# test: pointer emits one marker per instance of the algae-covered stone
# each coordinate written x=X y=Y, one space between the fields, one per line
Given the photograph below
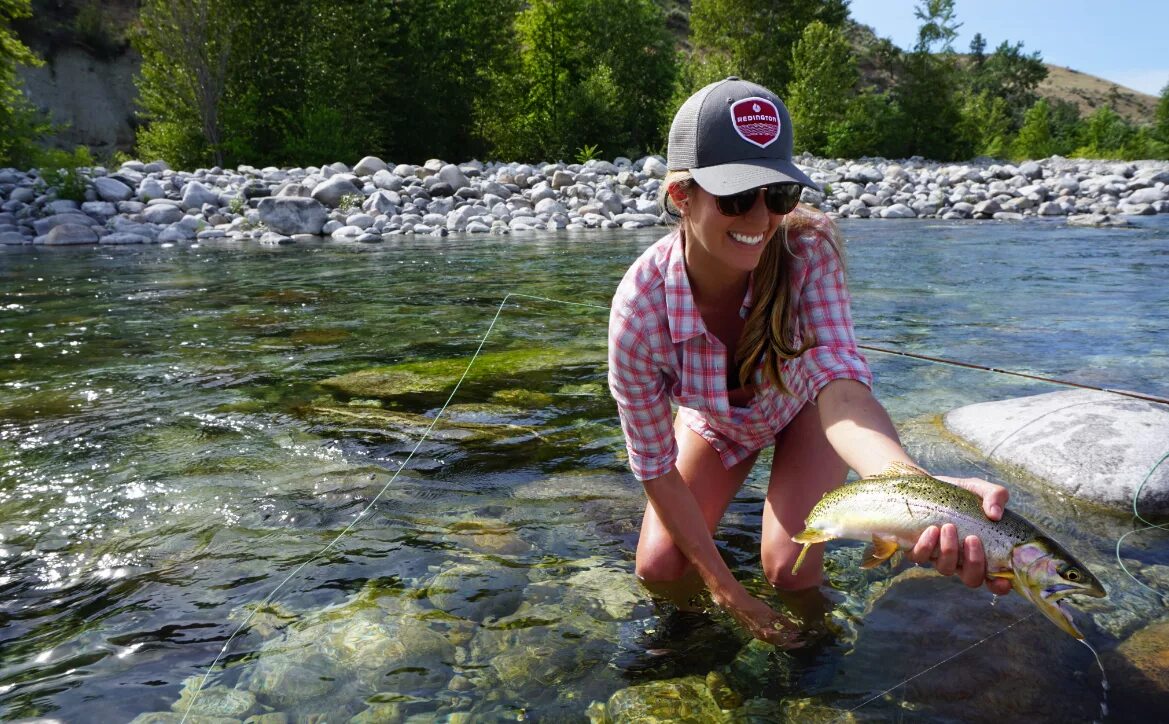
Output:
x=171 y=717
x=1148 y=652
x=492 y=537
x=477 y=590
x=214 y=701
x=440 y=375
x=412 y=426
x=523 y=398
x=685 y=699
x=286 y=680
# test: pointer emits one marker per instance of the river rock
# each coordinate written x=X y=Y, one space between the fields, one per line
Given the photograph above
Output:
x=1091 y=445
x=330 y=191
x=897 y=211
x=124 y=238
x=287 y=215
x=196 y=194
x=369 y=165
x=1099 y=220
x=68 y=235
x=110 y=189
x=14 y=238
x=162 y=214
x=45 y=225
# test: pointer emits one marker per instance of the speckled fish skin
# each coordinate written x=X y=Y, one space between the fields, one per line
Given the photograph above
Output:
x=899 y=504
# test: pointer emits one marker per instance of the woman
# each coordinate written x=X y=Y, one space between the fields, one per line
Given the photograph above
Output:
x=741 y=317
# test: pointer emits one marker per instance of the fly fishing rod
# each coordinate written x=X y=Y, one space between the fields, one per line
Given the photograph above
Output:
x=1040 y=378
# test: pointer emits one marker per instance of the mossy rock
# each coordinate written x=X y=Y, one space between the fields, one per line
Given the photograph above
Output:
x=685 y=699
x=411 y=426
x=214 y=701
x=529 y=399
x=440 y=375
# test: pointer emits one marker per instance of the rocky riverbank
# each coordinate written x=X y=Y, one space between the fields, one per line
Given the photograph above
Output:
x=373 y=201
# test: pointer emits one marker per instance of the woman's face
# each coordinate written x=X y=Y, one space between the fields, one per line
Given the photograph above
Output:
x=731 y=242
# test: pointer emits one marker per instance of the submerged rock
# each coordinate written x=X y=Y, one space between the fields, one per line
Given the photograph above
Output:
x=1148 y=652
x=1091 y=445
x=440 y=375
x=685 y=699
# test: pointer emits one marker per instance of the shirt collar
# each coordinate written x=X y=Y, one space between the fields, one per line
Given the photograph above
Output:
x=684 y=318
x=681 y=311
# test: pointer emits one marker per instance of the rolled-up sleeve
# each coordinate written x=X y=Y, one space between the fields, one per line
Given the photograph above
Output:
x=824 y=311
x=640 y=389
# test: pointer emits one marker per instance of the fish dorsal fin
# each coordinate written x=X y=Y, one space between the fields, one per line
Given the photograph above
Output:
x=898 y=470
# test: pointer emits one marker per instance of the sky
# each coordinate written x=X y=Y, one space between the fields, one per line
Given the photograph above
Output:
x=1123 y=41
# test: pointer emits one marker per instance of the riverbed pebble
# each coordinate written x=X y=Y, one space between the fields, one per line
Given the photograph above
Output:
x=499 y=198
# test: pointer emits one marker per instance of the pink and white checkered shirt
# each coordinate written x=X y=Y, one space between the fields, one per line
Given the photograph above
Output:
x=661 y=352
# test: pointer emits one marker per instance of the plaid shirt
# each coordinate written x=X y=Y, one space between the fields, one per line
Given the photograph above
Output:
x=661 y=352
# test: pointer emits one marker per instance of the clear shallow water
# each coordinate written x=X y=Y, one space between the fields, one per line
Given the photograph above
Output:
x=168 y=455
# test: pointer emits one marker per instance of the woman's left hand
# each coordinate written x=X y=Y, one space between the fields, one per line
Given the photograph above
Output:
x=966 y=558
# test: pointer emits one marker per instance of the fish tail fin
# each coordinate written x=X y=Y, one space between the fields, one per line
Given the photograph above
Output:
x=808 y=537
x=881 y=550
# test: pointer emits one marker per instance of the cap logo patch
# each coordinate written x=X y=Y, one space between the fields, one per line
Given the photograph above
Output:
x=756 y=120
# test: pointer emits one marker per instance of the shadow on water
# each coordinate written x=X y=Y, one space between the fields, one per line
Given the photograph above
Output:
x=187 y=429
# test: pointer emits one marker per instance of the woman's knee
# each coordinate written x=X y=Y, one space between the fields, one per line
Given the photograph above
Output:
x=664 y=564
x=777 y=567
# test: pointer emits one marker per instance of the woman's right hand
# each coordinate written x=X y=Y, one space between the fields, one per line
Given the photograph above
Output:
x=762 y=621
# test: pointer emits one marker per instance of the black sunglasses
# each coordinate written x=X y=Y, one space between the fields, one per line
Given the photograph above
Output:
x=780 y=198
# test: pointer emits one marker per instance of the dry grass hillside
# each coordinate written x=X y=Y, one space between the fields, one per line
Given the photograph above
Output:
x=1089 y=92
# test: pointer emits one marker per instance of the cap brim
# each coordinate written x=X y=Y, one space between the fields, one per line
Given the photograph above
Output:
x=731 y=178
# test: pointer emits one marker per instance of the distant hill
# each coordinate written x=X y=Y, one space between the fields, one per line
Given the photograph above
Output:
x=1088 y=92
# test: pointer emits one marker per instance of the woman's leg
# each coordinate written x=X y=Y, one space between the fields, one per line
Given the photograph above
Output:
x=804 y=469
x=660 y=565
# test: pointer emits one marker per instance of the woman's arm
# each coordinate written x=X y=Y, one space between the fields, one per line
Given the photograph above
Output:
x=860 y=431
x=679 y=512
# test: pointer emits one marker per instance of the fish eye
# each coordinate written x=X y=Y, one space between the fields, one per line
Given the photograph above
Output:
x=1072 y=575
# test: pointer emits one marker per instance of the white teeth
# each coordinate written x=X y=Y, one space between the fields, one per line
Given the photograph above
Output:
x=744 y=239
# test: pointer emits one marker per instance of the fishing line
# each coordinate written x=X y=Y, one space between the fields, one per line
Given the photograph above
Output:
x=272 y=594
x=499 y=310
x=946 y=660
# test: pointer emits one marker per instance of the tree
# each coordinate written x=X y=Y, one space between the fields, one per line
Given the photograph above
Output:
x=21 y=126
x=824 y=73
x=1034 y=139
x=977 y=50
x=1161 y=117
x=928 y=84
x=751 y=36
x=185 y=47
x=592 y=73
x=1012 y=75
x=1105 y=134
x=986 y=125
x=873 y=125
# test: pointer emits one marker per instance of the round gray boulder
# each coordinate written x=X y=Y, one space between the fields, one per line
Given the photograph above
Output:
x=1092 y=445
x=288 y=215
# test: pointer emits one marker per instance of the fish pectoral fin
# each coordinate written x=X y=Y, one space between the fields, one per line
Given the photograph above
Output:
x=880 y=551
x=1009 y=575
x=808 y=537
x=811 y=535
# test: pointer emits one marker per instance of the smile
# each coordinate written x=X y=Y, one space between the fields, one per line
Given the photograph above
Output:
x=745 y=239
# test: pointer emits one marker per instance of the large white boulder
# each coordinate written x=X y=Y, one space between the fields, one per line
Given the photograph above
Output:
x=1097 y=446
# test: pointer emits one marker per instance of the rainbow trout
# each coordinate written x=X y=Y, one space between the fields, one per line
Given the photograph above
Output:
x=894 y=507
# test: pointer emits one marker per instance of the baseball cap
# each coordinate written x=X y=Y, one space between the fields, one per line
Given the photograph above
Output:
x=734 y=135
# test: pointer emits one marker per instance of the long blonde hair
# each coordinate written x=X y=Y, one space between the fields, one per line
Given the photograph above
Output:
x=771 y=334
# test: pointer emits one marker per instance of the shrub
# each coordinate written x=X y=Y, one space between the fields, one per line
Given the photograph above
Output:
x=65 y=173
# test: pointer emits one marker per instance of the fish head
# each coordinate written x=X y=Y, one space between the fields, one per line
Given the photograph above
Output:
x=1045 y=573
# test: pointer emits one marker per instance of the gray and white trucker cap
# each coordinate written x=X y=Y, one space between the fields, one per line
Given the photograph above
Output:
x=734 y=135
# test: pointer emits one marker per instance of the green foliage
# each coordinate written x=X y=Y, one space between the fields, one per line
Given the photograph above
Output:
x=873 y=125
x=350 y=203
x=1161 y=117
x=985 y=128
x=1034 y=139
x=750 y=38
x=928 y=86
x=93 y=30
x=64 y=173
x=1105 y=134
x=825 y=72
x=587 y=152
x=938 y=25
x=1011 y=75
x=589 y=71
x=21 y=125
